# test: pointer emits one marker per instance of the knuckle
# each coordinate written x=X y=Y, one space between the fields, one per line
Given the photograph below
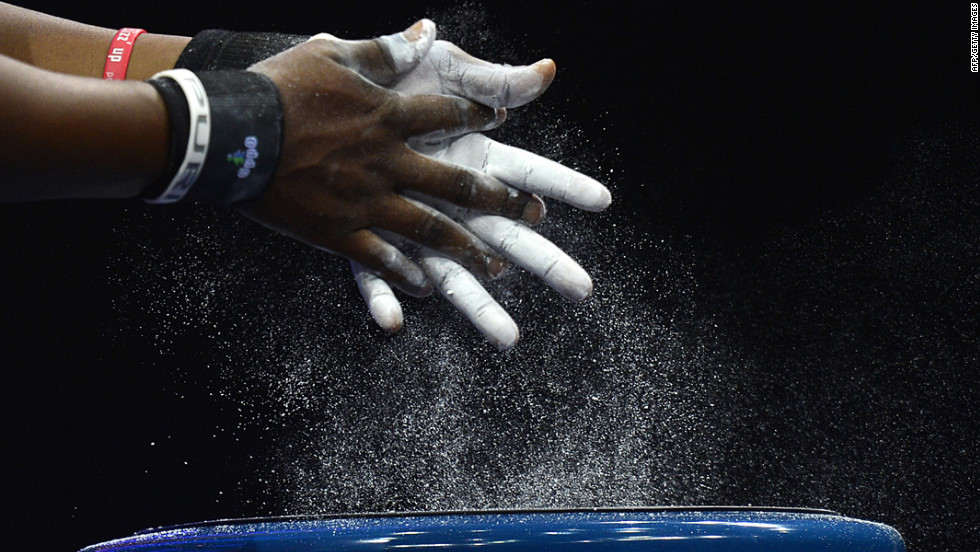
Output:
x=388 y=259
x=432 y=230
x=514 y=202
x=326 y=48
x=462 y=114
x=448 y=66
x=390 y=111
x=379 y=58
x=464 y=187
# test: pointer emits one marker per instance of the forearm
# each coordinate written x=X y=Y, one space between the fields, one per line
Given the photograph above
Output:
x=74 y=48
x=70 y=137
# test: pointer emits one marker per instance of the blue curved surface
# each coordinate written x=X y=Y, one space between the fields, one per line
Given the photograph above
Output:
x=674 y=530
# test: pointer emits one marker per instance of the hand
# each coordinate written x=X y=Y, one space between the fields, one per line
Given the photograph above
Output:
x=444 y=68
x=346 y=167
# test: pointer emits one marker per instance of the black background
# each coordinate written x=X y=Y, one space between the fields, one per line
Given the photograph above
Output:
x=818 y=163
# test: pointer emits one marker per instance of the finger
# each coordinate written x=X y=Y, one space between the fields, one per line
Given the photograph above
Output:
x=428 y=227
x=385 y=59
x=468 y=188
x=527 y=171
x=385 y=260
x=433 y=117
x=527 y=249
x=468 y=296
x=380 y=299
x=488 y=83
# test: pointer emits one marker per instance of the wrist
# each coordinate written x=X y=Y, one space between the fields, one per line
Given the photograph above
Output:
x=226 y=136
x=120 y=50
x=218 y=49
x=153 y=53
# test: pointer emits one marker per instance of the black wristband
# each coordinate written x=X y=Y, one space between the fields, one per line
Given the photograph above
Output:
x=180 y=122
x=216 y=49
x=231 y=148
x=246 y=136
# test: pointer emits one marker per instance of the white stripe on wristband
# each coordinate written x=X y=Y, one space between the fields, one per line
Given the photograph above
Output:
x=197 y=140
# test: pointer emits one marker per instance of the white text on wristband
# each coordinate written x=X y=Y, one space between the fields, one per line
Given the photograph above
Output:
x=120 y=50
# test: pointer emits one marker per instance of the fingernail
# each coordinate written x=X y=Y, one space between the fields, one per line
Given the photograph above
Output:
x=496 y=266
x=589 y=194
x=388 y=315
x=414 y=32
x=534 y=211
x=421 y=285
x=420 y=30
x=425 y=290
x=602 y=198
x=503 y=334
x=546 y=68
x=544 y=65
x=499 y=116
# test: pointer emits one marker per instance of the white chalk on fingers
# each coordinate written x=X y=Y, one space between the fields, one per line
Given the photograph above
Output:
x=466 y=294
x=539 y=175
x=408 y=47
x=532 y=251
x=488 y=83
x=380 y=299
x=525 y=248
x=405 y=50
x=527 y=171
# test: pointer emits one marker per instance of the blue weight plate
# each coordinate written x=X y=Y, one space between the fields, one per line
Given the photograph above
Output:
x=715 y=529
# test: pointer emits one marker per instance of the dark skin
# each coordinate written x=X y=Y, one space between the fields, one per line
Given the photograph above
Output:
x=332 y=189
x=73 y=48
x=345 y=169
x=70 y=137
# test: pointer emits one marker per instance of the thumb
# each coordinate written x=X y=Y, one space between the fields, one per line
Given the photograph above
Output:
x=384 y=60
x=408 y=47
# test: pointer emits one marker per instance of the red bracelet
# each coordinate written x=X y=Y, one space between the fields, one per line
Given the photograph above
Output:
x=117 y=61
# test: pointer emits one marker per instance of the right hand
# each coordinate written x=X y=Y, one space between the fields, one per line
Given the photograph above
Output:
x=346 y=167
x=394 y=62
